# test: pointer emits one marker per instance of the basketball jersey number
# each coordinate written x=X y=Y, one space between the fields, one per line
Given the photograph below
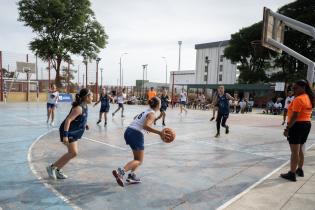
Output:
x=140 y=115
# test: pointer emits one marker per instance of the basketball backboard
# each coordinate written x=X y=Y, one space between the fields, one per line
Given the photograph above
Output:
x=24 y=67
x=273 y=28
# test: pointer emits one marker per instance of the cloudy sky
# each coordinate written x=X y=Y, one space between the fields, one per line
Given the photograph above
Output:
x=148 y=30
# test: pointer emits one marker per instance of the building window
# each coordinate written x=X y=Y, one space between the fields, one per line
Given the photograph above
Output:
x=221 y=68
x=221 y=58
x=220 y=77
x=205 y=78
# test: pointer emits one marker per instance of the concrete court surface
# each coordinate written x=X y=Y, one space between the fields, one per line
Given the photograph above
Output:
x=196 y=171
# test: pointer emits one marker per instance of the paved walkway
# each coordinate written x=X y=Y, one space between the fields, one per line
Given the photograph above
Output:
x=277 y=193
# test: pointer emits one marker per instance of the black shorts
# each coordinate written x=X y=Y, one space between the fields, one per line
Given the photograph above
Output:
x=120 y=105
x=298 y=133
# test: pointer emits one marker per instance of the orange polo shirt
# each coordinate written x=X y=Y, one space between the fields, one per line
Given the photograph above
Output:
x=301 y=104
x=151 y=94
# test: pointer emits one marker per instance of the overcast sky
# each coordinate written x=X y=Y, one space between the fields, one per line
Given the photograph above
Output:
x=148 y=30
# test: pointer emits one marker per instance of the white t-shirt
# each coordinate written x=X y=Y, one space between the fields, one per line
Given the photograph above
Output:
x=138 y=123
x=288 y=100
x=183 y=96
x=278 y=105
x=53 y=97
x=120 y=99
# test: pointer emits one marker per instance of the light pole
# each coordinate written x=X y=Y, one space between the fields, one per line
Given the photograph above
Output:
x=207 y=61
x=83 y=77
x=102 y=77
x=79 y=76
x=68 y=76
x=86 y=72
x=96 y=83
x=179 y=52
x=144 y=68
x=120 y=70
x=164 y=58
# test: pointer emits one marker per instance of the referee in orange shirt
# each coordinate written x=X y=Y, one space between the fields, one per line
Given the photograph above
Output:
x=299 y=126
x=151 y=93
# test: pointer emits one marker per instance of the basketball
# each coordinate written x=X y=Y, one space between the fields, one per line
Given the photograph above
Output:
x=170 y=135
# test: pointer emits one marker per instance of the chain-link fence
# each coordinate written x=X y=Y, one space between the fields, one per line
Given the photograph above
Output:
x=16 y=86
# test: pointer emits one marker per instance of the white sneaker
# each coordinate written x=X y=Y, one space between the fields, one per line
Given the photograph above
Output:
x=51 y=170
x=52 y=123
x=60 y=174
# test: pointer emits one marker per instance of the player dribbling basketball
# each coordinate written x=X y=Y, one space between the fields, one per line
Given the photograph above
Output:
x=134 y=137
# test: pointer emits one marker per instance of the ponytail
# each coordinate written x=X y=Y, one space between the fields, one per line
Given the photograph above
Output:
x=79 y=97
x=308 y=90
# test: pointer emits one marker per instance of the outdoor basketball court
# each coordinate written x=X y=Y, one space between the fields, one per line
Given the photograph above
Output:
x=196 y=171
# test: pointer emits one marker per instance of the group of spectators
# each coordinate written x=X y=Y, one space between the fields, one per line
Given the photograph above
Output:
x=278 y=105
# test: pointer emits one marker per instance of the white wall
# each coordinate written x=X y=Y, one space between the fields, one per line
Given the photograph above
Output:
x=229 y=69
x=182 y=77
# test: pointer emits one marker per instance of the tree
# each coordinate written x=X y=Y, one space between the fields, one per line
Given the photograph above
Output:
x=253 y=66
x=253 y=60
x=293 y=69
x=7 y=74
x=63 y=28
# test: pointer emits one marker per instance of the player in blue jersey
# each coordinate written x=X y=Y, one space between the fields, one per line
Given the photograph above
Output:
x=71 y=130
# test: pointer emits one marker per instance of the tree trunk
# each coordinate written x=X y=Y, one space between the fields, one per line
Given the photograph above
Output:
x=58 y=79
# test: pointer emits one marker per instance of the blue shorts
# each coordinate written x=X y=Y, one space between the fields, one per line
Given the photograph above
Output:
x=104 y=109
x=120 y=105
x=134 y=139
x=73 y=135
x=183 y=102
x=163 y=108
x=50 y=106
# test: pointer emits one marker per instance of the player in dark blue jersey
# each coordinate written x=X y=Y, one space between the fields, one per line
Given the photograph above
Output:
x=71 y=130
x=105 y=99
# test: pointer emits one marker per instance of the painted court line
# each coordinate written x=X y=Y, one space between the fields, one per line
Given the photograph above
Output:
x=29 y=159
x=109 y=145
x=238 y=196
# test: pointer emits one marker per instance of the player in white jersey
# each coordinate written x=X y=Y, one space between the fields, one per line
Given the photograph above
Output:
x=53 y=96
x=183 y=101
x=120 y=101
x=288 y=100
x=134 y=137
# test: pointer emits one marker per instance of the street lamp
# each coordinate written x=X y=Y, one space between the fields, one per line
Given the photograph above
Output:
x=96 y=83
x=207 y=61
x=164 y=58
x=102 y=77
x=79 y=76
x=86 y=72
x=120 y=70
x=144 y=68
x=179 y=52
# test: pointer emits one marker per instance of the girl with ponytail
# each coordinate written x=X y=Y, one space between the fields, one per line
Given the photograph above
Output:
x=71 y=130
x=298 y=127
x=134 y=137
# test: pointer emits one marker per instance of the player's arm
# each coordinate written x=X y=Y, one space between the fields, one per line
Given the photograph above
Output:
x=147 y=125
x=57 y=97
x=99 y=100
x=74 y=114
x=230 y=97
